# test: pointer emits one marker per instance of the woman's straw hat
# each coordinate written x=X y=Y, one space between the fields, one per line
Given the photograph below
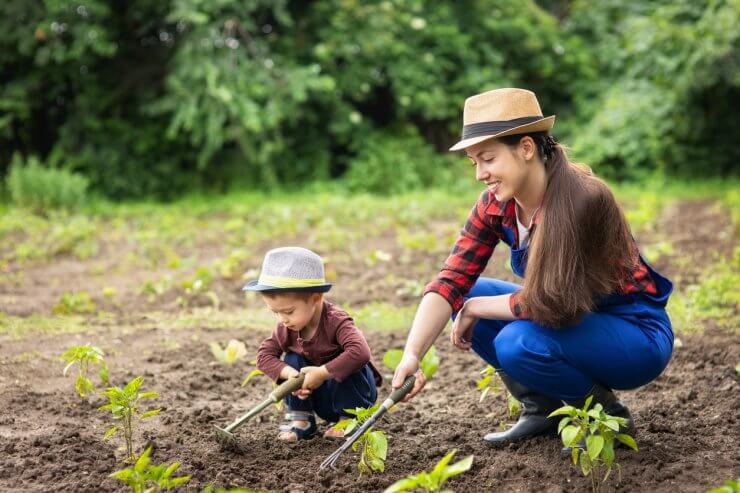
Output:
x=501 y=112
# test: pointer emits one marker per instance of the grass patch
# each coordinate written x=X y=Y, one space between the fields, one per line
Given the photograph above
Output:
x=383 y=316
x=20 y=327
x=716 y=297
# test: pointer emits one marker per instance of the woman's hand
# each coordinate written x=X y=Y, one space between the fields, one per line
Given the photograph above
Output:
x=462 y=330
x=409 y=365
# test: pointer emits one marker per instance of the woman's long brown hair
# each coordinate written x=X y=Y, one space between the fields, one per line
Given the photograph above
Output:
x=581 y=247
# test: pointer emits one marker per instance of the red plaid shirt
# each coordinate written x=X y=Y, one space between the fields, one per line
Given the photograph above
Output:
x=489 y=222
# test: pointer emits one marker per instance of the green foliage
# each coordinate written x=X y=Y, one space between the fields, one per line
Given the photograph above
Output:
x=373 y=445
x=41 y=189
x=84 y=357
x=729 y=486
x=429 y=363
x=258 y=93
x=396 y=160
x=599 y=430
x=124 y=405
x=75 y=303
x=663 y=86
x=145 y=477
x=433 y=481
x=234 y=351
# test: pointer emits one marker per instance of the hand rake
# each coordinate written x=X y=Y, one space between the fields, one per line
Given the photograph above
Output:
x=395 y=397
x=287 y=387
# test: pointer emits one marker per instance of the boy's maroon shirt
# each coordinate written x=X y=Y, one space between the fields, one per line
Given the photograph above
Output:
x=337 y=343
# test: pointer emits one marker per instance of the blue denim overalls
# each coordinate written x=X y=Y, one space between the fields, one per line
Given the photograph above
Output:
x=624 y=343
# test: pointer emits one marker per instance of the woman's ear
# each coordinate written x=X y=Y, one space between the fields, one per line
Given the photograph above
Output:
x=527 y=148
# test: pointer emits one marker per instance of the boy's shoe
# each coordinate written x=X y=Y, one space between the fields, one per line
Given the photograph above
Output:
x=290 y=431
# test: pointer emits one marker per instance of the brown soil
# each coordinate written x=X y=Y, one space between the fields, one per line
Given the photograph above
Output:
x=688 y=426
x=50 y=439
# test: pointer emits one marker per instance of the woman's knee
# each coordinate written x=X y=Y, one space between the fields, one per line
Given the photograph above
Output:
x=518 y=345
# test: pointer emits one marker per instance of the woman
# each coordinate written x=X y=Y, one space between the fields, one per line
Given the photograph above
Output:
x=590 y=316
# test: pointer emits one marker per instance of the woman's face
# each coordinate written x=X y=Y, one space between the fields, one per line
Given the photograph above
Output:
x=503 y=169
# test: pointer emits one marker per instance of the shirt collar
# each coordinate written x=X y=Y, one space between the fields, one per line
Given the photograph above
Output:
x=507 y=210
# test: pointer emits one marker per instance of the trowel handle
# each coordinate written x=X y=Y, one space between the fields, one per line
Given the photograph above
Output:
x=404 y=389
x=287 y=387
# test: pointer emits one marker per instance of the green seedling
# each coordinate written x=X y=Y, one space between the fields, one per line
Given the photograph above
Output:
x=233 y=351
x=599 y=430
x=433 y=481
x=230 y=267
x=197 y=286
x=145 y=477
x=75 y=304
x=83 y=357
x=373 y=445
x=490 y=381
x=729 y=486
x=155 y=289
x=429 y=364
x=124 y=406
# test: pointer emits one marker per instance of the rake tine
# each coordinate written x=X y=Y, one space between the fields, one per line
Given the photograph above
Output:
x=331 y=460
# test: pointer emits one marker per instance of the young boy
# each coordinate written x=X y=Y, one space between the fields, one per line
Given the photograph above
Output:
x=318 y=340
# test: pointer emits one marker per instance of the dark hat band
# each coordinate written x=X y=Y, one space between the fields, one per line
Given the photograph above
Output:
x=491 y=128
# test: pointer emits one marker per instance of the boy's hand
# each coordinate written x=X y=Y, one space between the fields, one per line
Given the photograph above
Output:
x=315 y=376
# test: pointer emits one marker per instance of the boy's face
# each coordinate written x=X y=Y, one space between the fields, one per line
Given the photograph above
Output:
x=295 y=311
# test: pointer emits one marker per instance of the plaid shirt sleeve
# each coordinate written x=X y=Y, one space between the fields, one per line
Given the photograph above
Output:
x=469 y=256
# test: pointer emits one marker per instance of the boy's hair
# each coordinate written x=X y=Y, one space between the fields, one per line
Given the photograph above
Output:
x=303 y=295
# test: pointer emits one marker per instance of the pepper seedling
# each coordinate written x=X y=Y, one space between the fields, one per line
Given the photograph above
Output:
x=233 y=351
x=490 y=381
x=373 y=444
x=84 y=357
x=124 y=406
x=432 y=482
x=599 y=430
x=145 y=477
x=429 y=364
x=729 y=486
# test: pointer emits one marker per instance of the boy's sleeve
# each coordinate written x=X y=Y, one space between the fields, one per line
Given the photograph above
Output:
x=355 y=354
x=268 y=357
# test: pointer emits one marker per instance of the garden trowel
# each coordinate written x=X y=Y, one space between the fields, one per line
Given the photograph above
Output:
x=290 y=385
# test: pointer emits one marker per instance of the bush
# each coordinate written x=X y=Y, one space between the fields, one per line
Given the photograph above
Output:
x=40 y=189
x=396 y=160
